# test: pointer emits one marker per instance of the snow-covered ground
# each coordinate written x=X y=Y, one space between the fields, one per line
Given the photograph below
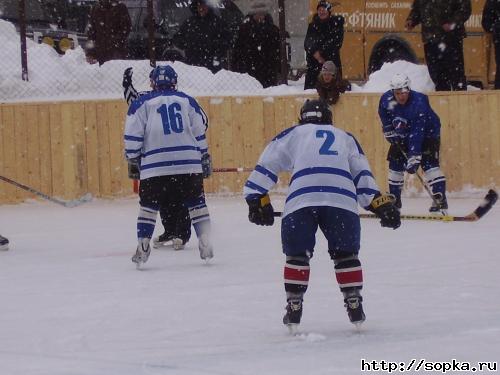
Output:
x=72 y=303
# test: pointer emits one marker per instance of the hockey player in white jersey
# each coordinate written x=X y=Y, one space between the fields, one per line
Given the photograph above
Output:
x=330 y=175
x=165 y=136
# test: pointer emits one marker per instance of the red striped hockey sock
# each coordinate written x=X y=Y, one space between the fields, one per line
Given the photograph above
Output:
x=349 y=273
x=296 y=276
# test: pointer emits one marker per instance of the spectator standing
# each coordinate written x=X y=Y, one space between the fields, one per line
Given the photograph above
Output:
x=257 y=47
x=330 y=85
x=443 y=31
x=491 y=24
x=324 y=38
x=204 y=37
x=109 y=27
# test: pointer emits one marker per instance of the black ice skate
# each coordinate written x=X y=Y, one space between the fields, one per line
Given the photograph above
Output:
x=142 y=253
x=165 y=239
x=293 y=315
x=354 y=307
x=4 y=243
x=439 y=204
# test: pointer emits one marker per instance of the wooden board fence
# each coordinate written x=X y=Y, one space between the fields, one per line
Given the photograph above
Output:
x=70 y=148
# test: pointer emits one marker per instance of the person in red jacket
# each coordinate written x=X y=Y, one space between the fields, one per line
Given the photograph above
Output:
x=108 y=30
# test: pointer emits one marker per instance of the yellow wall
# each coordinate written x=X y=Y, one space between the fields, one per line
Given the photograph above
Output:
x=71 y=148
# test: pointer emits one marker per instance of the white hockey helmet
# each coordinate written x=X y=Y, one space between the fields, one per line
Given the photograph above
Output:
x=400 y=81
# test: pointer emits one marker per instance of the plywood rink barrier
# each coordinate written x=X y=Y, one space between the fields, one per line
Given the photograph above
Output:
x=68 y=149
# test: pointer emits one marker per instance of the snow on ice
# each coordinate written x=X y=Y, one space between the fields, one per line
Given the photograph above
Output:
x=74 y=304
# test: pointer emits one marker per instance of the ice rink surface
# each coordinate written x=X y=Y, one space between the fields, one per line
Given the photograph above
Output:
x=72 y=302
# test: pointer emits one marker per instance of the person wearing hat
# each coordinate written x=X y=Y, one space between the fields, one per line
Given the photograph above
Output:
x=330 y=85
x=257 y=47
x=204 y=37
x=324 y=38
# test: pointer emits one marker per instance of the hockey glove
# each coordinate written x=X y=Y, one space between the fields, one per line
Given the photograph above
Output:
x=261 y=211
x=401 y=127
x=134 y=168
x=127 y=78
x=393 y=137
x=384 y=207
x=206 y=165
x=413 y=163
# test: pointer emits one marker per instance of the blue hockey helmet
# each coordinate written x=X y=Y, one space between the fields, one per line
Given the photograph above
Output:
x=164 y=77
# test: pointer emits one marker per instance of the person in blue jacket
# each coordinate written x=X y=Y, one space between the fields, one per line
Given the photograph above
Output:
x=414 y=131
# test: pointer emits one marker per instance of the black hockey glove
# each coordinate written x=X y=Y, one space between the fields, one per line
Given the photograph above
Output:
x=134 y=168
x=260 y=210
x=129 y=91
x=127 y=78
x=384 y=207
x=206 y=165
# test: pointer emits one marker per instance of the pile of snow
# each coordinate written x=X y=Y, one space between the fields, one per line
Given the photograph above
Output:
x=71 y=77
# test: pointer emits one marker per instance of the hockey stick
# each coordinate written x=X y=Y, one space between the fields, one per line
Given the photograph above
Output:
x=488 y=202
x=71 y=203
x=422 y=181
x=240 y=169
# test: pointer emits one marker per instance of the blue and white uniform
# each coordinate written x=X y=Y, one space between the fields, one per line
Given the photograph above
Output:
x=167 y=130
x=329 y=169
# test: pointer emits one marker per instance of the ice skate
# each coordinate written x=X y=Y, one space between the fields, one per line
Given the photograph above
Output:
x=439 y=204
x=206 y=249
x=168 y=239
x=4 y=243
x=162 y=240
x=142 y=253
x=354 y=307
x=293 y=316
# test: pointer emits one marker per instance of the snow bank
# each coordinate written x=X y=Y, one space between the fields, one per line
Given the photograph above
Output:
x=71 y=77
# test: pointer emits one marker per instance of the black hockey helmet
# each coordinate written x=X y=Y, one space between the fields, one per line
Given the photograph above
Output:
x=315 y=112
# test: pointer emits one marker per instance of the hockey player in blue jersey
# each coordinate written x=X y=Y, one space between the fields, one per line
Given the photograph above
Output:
x=165 y=137
x=414 y=131
x=330 y=175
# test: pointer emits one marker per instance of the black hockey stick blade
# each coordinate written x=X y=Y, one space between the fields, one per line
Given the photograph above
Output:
x=488 y=202
x=76 y=202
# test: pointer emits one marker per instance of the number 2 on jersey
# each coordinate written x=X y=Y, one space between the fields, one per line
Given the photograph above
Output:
x=329 y=139
x=171 y=118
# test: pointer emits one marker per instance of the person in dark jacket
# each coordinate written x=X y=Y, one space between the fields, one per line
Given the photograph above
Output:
x=257 y=47
x=204 y=37
x=330 y=85
x=108 y=30
x=491 y=24
x=443 y=31
x=323 y=41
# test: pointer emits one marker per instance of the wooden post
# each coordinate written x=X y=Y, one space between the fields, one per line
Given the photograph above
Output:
x=22 y=33
x=151 y=34
x=283 y=54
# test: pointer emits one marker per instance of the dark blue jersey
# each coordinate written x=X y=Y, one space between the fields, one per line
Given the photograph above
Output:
x=413 y=122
